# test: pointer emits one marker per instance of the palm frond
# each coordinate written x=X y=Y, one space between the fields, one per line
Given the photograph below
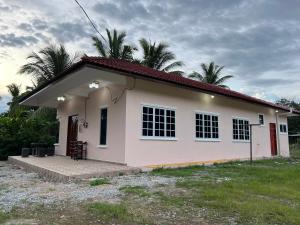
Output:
x=195 y=75
x=99 y=46
x=173 y=65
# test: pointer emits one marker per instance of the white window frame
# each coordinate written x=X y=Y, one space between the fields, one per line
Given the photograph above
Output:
x=261 y=114
x=285 y=124
x=153 y=137
x=99 y=145
x=240 y=140
x=206 y=139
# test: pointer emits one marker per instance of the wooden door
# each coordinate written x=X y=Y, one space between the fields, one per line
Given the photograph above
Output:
x=72 y=132
x=273 y=139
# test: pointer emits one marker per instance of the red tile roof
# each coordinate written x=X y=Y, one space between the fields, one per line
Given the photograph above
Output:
x=146 y=72
x=149 y=73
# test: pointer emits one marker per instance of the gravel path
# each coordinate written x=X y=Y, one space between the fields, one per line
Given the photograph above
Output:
x=19 y=188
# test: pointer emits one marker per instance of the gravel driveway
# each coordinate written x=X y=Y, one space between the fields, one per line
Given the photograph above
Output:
x=19 y=188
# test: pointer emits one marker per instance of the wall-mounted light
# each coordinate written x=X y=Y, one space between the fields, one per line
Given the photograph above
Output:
x=94 y=85
x=61 y=98
x=276 y=111
x=212 y=96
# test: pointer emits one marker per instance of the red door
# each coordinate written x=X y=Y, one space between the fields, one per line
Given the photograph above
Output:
x=72 y=132
x=273 y=138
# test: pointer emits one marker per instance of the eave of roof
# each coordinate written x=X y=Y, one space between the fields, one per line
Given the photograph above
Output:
x=132 y=69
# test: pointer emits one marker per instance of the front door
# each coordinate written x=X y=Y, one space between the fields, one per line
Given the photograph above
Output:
x=273 y=139
x=72 y=132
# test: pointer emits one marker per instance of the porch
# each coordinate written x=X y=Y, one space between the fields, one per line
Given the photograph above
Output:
x=63 y=169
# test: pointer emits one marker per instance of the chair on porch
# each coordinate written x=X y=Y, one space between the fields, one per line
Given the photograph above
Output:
x=78 y=150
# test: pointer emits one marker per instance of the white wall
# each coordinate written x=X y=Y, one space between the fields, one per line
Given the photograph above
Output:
x=184 y=150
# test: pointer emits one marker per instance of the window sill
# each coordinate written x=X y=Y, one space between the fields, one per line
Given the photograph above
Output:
x=241 y=141
x=101 y=146
x=56 y=144
x=282 y=133
x=207 y=140
x=158 y=139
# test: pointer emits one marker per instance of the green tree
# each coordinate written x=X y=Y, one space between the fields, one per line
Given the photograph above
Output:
x=113 y=46
x=157 y=56
x=48 y=63
x=211 y=74
x=293 y=121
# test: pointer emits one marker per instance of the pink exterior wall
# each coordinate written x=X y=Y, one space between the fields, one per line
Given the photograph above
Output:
x=124 y=139
x=186 y=149
x=114 y=151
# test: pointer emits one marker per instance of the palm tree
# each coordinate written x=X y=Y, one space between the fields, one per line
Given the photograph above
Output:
x=113 y=46
x=157 y=56
x=48 y=63
x=15 y=110
x=14 y=91
x=211 y=74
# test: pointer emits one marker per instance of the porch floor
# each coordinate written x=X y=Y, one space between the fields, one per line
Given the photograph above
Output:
x=62 y=168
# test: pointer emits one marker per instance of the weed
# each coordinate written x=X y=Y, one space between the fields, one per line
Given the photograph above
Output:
x=137 y=190
x=99 y=181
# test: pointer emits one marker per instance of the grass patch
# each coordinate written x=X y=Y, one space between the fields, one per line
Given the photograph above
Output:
x=178 y=172
x=110 y=211
x=136 y=190
x=117 y=213
x=99 y=181
x=265 y=193
x=3 y=217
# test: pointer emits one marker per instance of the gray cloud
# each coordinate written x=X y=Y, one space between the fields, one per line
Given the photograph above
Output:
x=25 y=27
x=121 y=10
x=70 y=31
x=4 y=8
x=39 y=24
x=11 y=40
x=263 y=82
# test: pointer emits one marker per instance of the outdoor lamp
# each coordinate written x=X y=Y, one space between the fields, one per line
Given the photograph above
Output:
x=61 y=98
x=94 y=85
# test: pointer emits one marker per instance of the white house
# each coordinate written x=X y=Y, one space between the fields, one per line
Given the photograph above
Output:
x=138 y=116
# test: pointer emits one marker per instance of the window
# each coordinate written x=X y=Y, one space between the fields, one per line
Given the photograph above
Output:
x=283 y=128
x=207 y=126
x=158 y=122
x=261 y=119
x=103 y=126
x=240 y=129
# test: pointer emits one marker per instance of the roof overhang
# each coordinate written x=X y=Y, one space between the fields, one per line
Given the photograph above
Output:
x=74 y=83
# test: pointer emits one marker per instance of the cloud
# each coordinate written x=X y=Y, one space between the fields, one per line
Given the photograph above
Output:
x=122 y=11
x=11 y=40
x=263 y=82
x=70 y=31
x=25 y=27
x=39 y=24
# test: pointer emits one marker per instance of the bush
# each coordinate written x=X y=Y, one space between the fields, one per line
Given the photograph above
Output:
x=19 y=132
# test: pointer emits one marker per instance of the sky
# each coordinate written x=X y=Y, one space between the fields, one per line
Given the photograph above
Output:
x=258 y=41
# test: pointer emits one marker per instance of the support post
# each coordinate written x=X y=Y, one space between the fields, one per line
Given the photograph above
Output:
x=251 y=144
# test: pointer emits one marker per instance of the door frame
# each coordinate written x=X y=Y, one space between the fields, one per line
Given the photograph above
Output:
x=69 y=135
x=273 y=139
